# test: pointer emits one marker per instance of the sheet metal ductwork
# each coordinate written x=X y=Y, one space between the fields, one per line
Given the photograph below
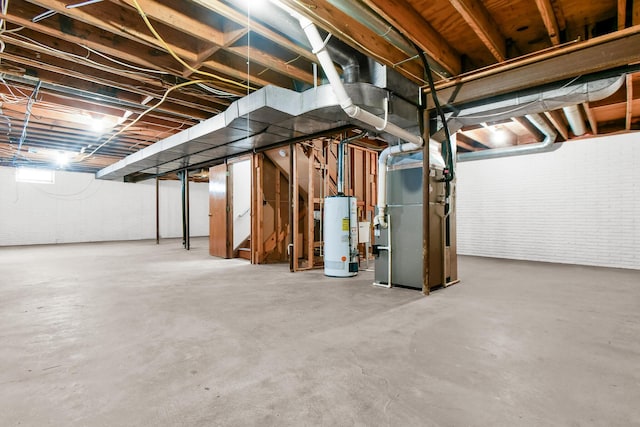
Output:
x=267 y=117
x=530 y=105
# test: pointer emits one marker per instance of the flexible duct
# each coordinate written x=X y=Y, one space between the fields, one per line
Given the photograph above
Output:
x=546 y=145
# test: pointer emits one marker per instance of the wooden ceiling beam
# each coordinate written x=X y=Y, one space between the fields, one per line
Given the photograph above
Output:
x=58 y=62
x=271 y=62
x=465 y=139
x=593 y=123
x=622 y=14
x=109 y=23
x=51 y=73
x=479 y=19
x=401 y=15
x=130 y=98
x=555 y=117
x=241 y=18
x=549 y=18
x=176 y=19
x=196 y=29
x=121 y=22
x=533 y=130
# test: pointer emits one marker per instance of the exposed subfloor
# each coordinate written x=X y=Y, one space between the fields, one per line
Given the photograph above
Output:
x=131 y=334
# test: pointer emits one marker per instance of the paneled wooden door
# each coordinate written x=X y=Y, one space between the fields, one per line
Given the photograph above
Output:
x=219 y=232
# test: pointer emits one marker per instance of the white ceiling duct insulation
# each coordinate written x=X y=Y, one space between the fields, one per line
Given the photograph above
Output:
x=575 y=119
x=529 y=105
x=533 y=103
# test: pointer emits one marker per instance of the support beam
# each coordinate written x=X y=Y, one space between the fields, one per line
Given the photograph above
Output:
x=549 y=18
x=481 y=22
x=157 y=211
x=600 y=53
x=629 y=114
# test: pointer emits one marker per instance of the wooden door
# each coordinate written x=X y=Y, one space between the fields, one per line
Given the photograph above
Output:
x=218 y=208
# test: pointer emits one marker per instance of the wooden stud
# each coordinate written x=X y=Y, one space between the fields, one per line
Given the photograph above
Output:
x=629 y=113
x=310 y=210
x=296 y=208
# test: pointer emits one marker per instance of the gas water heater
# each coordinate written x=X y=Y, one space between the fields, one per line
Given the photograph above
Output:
x=340 y=236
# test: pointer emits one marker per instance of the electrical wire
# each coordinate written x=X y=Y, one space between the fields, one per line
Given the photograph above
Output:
x=180 y=60
x=124 y=64
x=144 y=113
x=446 y=144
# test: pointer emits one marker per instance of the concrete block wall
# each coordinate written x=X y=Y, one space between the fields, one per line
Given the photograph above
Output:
x=579 y=204
x=79 y=208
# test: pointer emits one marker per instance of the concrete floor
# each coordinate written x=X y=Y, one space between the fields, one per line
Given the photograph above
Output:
x=131 y=334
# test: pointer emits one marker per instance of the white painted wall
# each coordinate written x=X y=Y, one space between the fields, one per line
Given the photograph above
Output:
x=241 y=175
x=579 y=204
x=79 y=208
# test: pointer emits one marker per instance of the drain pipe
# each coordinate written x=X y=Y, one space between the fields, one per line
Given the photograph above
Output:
x=341 y=147
x=413 y=142
x=546 y=145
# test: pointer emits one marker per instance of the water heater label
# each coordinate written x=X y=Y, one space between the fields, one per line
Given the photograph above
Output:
x=345 y=224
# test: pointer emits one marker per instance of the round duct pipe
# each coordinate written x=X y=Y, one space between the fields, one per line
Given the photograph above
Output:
x=575 y=119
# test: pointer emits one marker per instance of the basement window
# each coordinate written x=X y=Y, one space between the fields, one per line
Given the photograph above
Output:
x=35 y=176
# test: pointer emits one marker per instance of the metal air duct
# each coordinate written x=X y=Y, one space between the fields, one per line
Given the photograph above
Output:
x=546 y=145
x=576 y=121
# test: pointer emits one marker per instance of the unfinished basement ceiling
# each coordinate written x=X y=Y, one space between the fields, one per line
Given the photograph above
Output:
x=79 y=78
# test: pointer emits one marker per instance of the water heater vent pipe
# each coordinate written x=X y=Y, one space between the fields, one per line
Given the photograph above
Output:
x=413 y=142
x=341 y=148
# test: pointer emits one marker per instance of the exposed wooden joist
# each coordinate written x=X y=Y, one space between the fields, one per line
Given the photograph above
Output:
x=230 y=37
x=470 y=143
x=622 y=14
x=241 y=18
x=131 y=29
x=593 y=123
x=55 y=74
x=481 y=22
x=51 y=61
x=273 y=62
x=549 y=18
x=178 y=20
x=533 y=130
x=555 y=117
x=629 y=113
x=402 y=15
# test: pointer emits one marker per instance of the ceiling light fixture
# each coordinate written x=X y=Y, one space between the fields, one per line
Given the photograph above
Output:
x=62 y=158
